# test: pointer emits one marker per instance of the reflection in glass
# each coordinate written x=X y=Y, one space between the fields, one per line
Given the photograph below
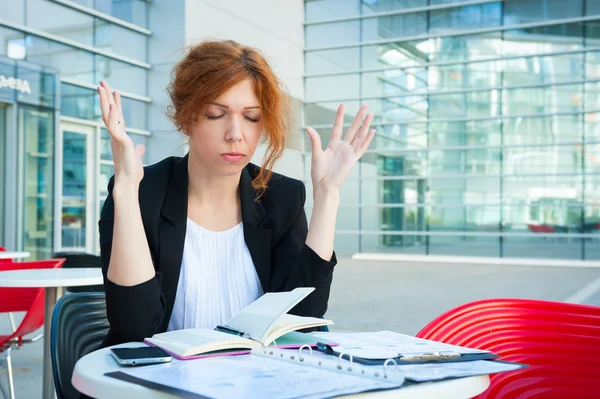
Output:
x=37 y=129
x=2 y=162
x=486 y=144
x=74 y=190
x=78 y=102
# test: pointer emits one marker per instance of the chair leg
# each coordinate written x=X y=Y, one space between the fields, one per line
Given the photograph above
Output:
x=11 y=384
x=11 y=319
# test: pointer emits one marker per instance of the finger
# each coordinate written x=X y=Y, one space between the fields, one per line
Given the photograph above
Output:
x=140 y=149
x=353 y=129
x=365 y=143
x=114 y=126
x=315 y=141
x=104 y=106
x=109 y=93
x=119 y=107
x=338 y=125
x=363 y=131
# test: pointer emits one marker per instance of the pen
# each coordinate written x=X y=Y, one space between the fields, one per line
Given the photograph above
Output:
x=429 y=356
x=229 y=330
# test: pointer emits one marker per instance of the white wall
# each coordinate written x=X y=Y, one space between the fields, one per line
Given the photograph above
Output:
x=274 y=27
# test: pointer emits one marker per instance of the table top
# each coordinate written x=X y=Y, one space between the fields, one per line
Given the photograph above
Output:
x=37 y=278
x=88 y=378
x=14 y=254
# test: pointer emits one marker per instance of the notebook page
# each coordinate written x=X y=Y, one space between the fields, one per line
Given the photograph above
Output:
x=257 y=318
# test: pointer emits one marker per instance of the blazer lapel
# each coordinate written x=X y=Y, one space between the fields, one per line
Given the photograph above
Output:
x=171 y=233
x=258 y=239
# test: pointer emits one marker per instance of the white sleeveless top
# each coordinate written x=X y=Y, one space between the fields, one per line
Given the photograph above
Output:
x=217 y=278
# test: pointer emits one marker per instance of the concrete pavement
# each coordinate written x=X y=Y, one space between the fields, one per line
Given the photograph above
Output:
x=375 y=295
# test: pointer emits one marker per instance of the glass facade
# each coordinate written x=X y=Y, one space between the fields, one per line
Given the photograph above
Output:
x=82 y=42
x=487 y=123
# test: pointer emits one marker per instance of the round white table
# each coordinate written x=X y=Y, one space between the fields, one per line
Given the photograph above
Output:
x=88 y=378
x=14 y=255
x=53 y=280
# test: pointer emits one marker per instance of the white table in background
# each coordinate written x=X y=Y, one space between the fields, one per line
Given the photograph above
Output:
x=14 y=254
x=88 y=378
x=53 y=280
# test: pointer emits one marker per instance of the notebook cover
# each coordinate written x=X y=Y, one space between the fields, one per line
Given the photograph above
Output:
x=230 y=352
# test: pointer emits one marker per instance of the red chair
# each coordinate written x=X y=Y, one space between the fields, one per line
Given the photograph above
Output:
x=28 y=300
x=560 y=342
x=2 y=249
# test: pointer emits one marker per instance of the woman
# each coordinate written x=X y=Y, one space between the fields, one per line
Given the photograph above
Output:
x=188 y=242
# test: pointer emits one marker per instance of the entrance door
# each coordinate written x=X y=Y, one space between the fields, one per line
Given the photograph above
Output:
x=2 y=172
x=77 y=197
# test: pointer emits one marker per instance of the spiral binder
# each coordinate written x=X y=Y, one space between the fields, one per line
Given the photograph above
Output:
x=389 y=371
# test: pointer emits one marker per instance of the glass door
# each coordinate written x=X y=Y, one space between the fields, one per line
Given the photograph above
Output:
x=3 y=192
x=36 y=135
x=77 y=197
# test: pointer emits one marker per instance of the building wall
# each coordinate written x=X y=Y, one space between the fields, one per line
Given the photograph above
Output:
x=486 y=120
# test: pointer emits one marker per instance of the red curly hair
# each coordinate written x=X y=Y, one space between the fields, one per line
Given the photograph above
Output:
x=212 y=67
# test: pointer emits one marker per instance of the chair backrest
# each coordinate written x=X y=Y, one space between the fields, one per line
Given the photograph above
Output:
x=79 y=325
x=2 y=249
x=559 y=341
x=28 y=300
x=78 y=260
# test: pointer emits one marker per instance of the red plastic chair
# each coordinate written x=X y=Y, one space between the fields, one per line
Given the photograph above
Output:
x=560 y=342
x=2 y=249
x=28 y=300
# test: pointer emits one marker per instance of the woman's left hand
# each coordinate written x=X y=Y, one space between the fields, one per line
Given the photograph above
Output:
x=330 y=168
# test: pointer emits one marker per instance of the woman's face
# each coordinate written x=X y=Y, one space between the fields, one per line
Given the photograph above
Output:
x=226 y=135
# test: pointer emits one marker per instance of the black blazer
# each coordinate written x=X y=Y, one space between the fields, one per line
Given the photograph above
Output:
x=275 y=230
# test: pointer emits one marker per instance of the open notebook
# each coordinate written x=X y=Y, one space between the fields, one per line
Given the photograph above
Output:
x=259 y=324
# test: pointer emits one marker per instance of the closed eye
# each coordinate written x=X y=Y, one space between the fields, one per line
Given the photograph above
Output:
x=213 y=116
x=252 y=119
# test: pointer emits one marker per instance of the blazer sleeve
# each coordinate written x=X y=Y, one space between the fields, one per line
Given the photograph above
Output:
x=295 y=264
x=133 y=312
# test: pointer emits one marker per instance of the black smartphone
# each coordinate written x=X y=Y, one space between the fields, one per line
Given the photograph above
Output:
x=140 y=356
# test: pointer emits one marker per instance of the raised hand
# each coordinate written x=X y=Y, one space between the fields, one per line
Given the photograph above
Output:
x=126 y=156
x=330 y=168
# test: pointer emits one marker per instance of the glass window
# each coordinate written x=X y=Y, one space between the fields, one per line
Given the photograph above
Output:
x=332 y=61
x=592 y=7
x=72 y=63
x=120 y=75
x=116 y=39
x=332 y=34
x=2 y=162
x=328 y=9
x=105 y=148
x=135 y=113
x=134 y=11
x=395 y=81
x=13 y=11
x=38 y=88
x=78 y=102
x=75 y=183
x=527 y=11
x=332 y=87
x=12 y=43
x=394 y=26
x=59 y=20
x=373 y=6
x=37 y=128
x=462 y=18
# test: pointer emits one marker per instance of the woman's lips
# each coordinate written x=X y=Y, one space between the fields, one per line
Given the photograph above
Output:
x=232 y=156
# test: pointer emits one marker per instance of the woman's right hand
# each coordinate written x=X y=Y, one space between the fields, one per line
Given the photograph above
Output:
x=127 y=157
